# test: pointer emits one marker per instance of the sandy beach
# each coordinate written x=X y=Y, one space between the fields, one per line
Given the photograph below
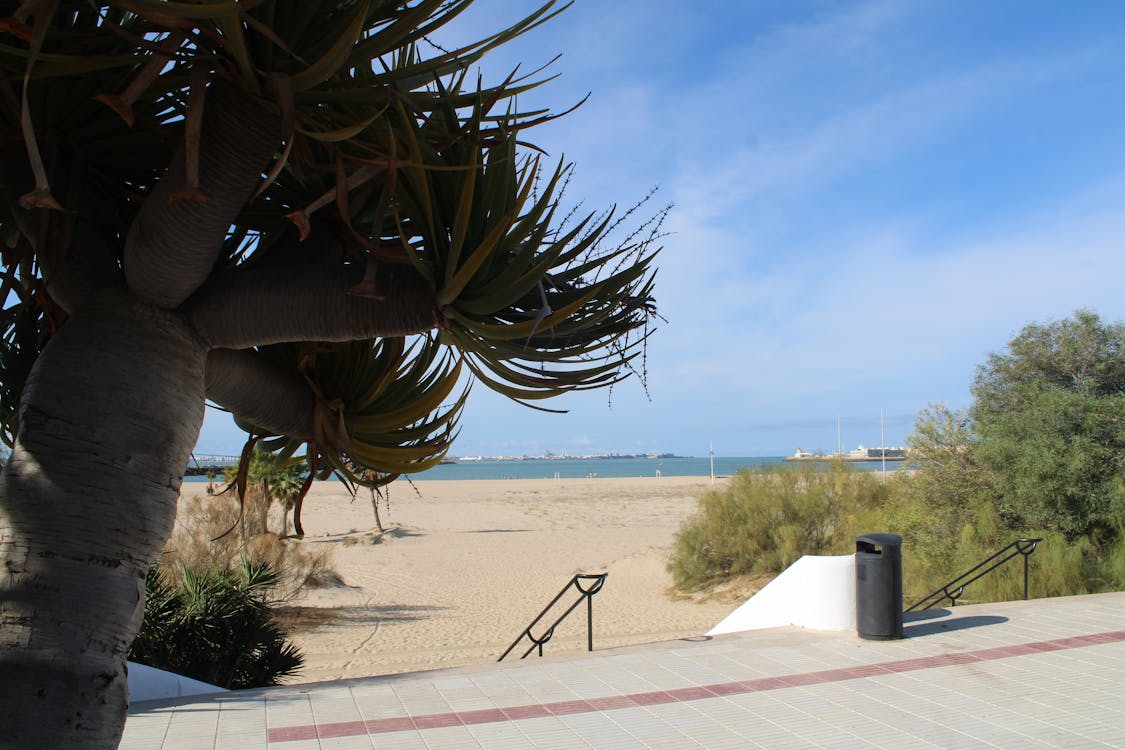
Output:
x=465 y=566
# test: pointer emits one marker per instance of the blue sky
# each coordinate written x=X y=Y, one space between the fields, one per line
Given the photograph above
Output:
x=869 y=198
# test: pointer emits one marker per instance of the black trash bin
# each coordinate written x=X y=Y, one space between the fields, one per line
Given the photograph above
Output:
x=878 y=586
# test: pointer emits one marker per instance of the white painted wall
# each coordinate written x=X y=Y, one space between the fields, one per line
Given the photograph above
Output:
x=816 y=592
x=149 y=684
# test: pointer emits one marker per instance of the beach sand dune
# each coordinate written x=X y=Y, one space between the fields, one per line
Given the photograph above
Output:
x=466 y=565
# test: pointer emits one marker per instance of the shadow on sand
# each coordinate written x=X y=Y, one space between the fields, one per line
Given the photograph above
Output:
x=297 y=618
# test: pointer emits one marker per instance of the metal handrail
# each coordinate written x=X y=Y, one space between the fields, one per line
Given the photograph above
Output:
x=953 y=590
x=596 y=581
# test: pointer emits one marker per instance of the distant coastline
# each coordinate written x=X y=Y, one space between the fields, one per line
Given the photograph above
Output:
x=601 y=468
x=549 y=456
x=202 y=471
x=218 y=465
x=571 y=467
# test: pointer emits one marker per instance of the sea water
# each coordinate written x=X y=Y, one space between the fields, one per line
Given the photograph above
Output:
x=578 y=468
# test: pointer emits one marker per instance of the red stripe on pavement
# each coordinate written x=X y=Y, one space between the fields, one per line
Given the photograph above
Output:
x=660 y=697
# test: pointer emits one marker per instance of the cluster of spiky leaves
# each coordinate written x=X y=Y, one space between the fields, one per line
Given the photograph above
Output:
x=387 y=156
x=381 y=405
x=216 y=626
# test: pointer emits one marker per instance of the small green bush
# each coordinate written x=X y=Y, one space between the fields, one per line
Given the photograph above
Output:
x=762 y=521
x=215 y=626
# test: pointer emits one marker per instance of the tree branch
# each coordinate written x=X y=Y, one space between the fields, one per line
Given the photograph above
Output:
x=86 y=266
x=257 y=392
x=73 y=251
x=244 y=307
x=175 y=240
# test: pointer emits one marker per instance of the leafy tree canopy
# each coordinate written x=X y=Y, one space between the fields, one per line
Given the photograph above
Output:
x=1049 y=424
x=1081 y=355
x=949 y=475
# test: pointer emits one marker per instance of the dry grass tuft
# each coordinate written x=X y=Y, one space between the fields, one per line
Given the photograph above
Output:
x=366 y=537
x=210 y=533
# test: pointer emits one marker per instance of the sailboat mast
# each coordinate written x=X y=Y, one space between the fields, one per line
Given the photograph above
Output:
x=883 y=443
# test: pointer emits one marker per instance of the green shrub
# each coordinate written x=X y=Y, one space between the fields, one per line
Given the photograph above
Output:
x=215 y=626
x=761 y=521
x=1114 y=568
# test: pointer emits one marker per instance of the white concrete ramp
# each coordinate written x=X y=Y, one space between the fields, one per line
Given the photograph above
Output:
x=816 y=592
x=150 y=684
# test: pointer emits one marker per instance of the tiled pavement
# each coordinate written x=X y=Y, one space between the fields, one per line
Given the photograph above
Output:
x=1047 y=673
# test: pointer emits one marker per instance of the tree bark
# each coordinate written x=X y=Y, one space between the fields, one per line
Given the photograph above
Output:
x=175 y=240
x=247 y=307
x=259 y=393
x=111 y=411
x=72 y=250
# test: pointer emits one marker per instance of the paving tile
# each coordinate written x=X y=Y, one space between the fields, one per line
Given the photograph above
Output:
x=534 y=711
x=550 y=732
x=410 y=740
x=601 y=731
x=391 y=724
x=234 y=741
x=451 y=738
x=498 y=735
x=354 y=742
x=298 y=745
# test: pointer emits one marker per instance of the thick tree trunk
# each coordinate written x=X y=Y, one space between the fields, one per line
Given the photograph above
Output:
x=109 y=417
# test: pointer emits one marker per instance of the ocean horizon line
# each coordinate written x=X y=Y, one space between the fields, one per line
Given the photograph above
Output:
x=608 y=468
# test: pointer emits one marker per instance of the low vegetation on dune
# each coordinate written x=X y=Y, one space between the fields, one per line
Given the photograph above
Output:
x=762 y=521
x=1039 y=453
x=212 y=532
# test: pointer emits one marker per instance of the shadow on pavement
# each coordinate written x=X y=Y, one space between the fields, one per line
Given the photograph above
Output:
x=931 y=626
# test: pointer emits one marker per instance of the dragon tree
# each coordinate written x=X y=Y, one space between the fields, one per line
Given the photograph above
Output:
x=307 y=212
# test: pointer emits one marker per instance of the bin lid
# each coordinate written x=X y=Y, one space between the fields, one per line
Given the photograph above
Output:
x=883 y=541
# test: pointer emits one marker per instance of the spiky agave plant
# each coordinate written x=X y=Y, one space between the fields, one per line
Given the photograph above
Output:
x=217 y=626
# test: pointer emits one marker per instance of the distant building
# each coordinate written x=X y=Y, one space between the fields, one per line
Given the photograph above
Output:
x=898 y=454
